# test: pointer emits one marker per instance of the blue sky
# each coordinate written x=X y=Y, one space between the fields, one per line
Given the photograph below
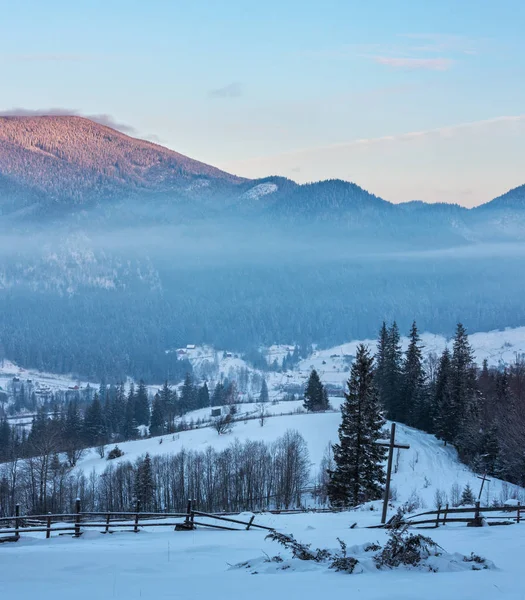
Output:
x=417 y=99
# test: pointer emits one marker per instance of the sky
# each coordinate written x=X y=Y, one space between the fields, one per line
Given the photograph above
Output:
x=411 y=99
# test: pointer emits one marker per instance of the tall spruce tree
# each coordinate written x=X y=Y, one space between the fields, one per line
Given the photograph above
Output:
x=315 y=399
x=188 y=394
x=264 y=396
x=203 y=396
x=465 y=405
x=145 y=484
x=390 y=371
x=444 y=416
x=359 y=473
x=142 y=408
x=158 y=419
x=414 y=408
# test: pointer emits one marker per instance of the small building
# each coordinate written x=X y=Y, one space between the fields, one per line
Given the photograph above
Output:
x=216 y=412
x=190 y=347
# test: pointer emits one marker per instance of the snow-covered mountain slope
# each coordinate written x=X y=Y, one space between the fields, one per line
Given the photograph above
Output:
x=426 y=469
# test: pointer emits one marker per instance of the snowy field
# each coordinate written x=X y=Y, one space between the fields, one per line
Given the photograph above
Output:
x=197 y=565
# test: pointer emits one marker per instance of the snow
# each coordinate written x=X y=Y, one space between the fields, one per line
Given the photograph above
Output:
x=263 y=189
x=161 y=563
x=198 y=564
x=426 y=468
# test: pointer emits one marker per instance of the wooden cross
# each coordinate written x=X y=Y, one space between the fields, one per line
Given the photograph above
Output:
x=390 y=445
x=483 y=479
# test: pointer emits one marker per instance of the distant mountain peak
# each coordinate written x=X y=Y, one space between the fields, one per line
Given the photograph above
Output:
x=71 y=158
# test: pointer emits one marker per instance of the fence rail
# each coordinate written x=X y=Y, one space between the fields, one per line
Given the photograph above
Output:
x=473 y=516
x=75 y=523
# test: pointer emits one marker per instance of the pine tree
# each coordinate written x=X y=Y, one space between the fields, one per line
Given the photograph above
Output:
x=129 y=425
x=218 y=394
x=94 y=425
x=390 y=365
x=359 y=472
x=203 y=396
x=158 y=420
x=444 y=416
x=314 y=398
x=467 y=496
x=465 y=405
x=414 y=406
x=142 y=408
x=187 y=395
x=145 y=484
x=264 y=396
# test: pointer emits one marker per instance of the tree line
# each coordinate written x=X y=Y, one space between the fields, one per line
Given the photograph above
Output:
x=244 y=476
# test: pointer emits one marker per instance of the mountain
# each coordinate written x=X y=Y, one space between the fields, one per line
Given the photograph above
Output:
x=72 y=160
x=114 y=249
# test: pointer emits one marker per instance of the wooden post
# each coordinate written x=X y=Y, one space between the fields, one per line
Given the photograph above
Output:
x=48 y=528
x=136 y=528
x=188 y=512
x=391 y=445
x=437 y=517
x=77 y=517
x=518 y=515
x=107 y=522
x=17 y=521
x=388 y=471
x=477 y=515
x=250 y=523
x=445 y=515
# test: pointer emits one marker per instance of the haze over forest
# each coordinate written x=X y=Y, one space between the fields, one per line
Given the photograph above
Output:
x=116 y=249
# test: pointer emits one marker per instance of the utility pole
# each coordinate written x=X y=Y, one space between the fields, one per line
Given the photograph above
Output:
x=390 y=445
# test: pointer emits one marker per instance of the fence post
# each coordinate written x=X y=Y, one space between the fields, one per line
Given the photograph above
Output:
x=188 y=512
x=136 y=528
x=107 y=522
x=251 y=521
x=48 y=528
x=17 y=521
x=437 y=516
x=193 y=505
x=445 y=515
x=477 y=517
x=77 y=517
x=518 y=515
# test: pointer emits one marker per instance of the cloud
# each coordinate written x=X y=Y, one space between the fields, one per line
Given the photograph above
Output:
x=232 y=90
x=428 y=64
x=103 y=119
x=438 y=132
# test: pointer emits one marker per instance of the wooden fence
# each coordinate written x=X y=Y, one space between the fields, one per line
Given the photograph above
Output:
x=75 y=523
x=475 y=516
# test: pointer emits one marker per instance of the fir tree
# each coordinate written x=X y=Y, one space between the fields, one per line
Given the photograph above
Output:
x=264 y=396
x=444 y=416
x=359 y=473
x=414 y=408
x=187 y=395
x=467 y=496
x=142 y=408
x=203 y=396
x=314 y=397
x=158 y=420
x=390 y=365
x=94 y=425
x=145 y=484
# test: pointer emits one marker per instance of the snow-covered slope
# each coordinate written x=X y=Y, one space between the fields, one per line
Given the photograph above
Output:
x=421 y=472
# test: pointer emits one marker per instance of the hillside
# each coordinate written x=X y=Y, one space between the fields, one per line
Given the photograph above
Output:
x=72 y=160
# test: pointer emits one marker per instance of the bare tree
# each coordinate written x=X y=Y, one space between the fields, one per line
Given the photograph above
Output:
x=222 y=424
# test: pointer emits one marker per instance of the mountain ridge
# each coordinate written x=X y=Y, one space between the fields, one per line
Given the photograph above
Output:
x=72 y=161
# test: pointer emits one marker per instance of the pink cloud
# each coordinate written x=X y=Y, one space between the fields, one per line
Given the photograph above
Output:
x=429 y=64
